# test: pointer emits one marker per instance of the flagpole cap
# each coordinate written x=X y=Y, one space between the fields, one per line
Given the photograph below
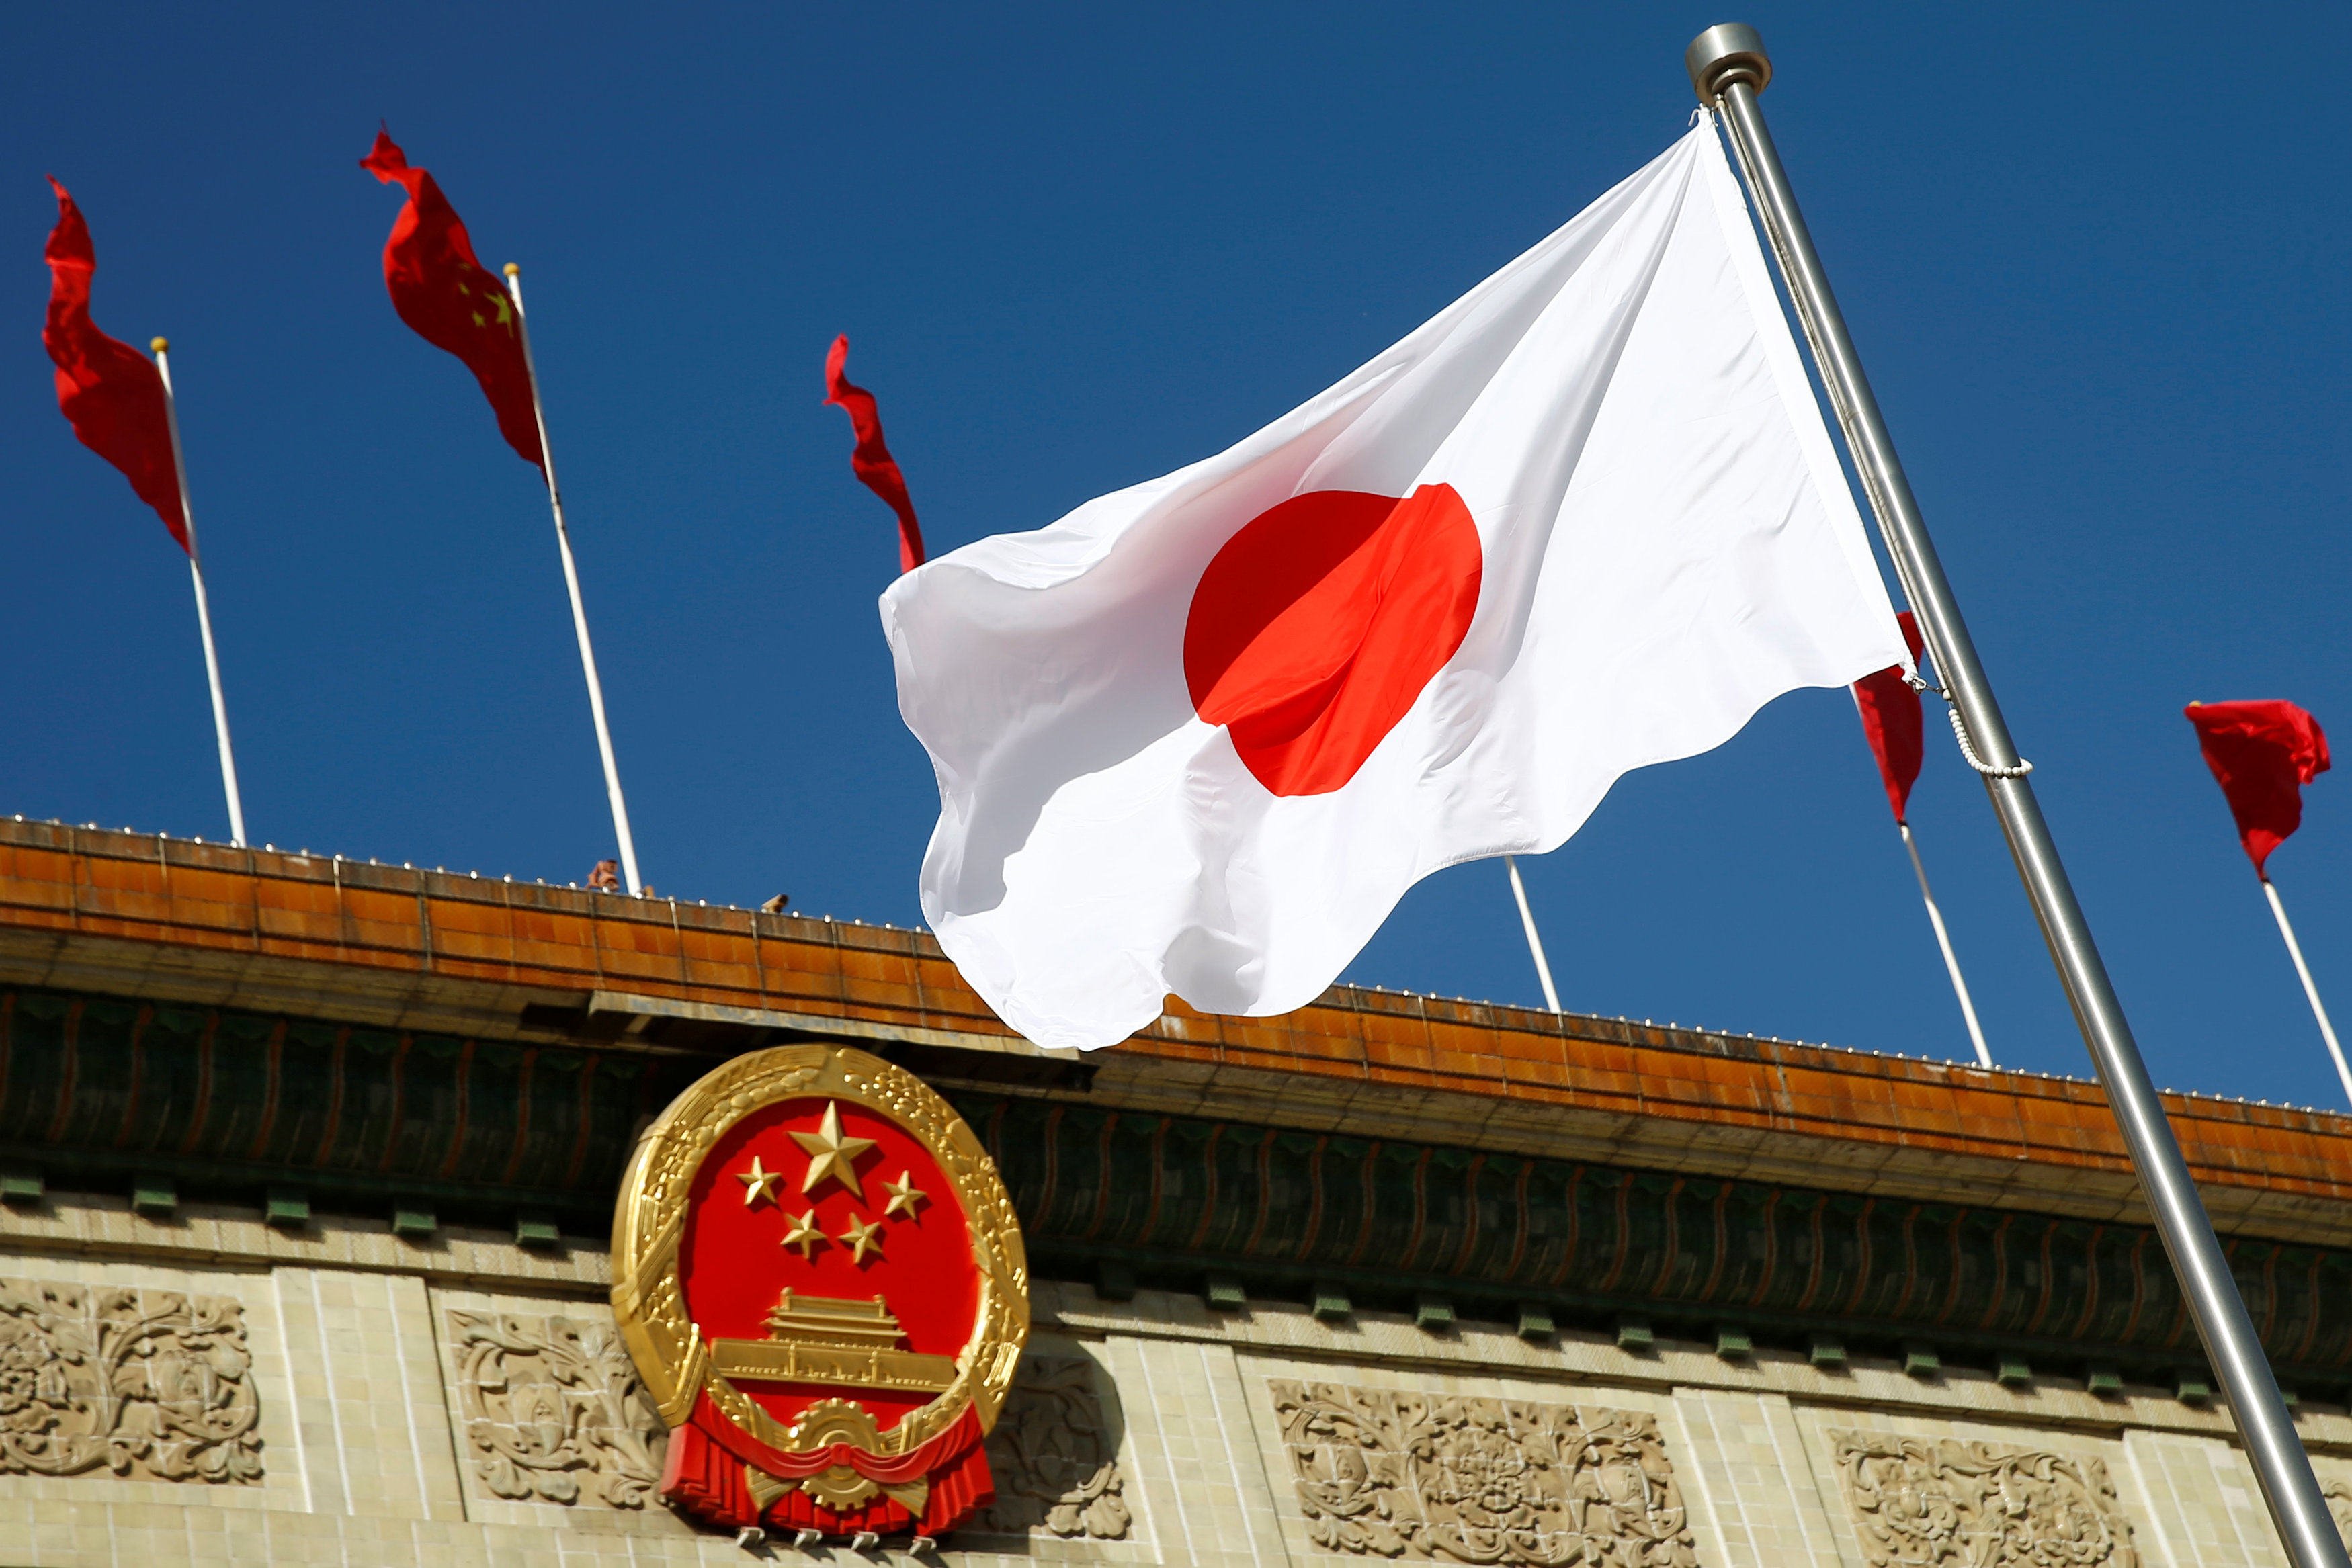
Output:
x=512 y=269
x=1726 y=53
x=159 y=344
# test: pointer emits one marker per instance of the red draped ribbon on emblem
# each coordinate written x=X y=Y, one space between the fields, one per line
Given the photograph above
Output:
x=707 y=1456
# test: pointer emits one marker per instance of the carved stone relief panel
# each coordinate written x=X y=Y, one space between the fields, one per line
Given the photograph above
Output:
x=553 y=1410
x=2339 y=1503
x=1978 y=1505
x=148 y=1385
x=1445 y=1477
x=1053 y=1457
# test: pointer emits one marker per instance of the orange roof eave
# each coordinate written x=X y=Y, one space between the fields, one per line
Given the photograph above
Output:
x=167 y=916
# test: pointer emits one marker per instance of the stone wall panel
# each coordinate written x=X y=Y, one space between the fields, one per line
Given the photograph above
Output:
x=1055 y=1456
x=1950 y=1502
x=552 y=1408
x=1463 y=1478
x=145 y=1384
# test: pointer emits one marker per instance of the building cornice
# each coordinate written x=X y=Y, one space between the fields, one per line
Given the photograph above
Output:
x=396 y=947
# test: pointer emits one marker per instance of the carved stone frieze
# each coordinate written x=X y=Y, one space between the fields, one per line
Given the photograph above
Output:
x=1054 y=1458
x=1444 y=1478
x=149 y=1385
x=554 y=1410
x=1952 y=1504
x=2339 y=1504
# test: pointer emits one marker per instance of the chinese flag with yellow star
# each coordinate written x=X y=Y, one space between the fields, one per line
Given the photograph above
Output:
x=451 y=300
x=110 y=393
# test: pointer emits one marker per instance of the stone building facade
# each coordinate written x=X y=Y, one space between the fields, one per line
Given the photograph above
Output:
x=307 y=1169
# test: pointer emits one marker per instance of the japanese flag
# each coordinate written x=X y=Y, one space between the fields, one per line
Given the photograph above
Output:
x=1200 y=734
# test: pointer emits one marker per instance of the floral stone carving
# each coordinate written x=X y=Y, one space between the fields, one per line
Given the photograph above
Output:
x=1442 y=1478
x=1977 y=1505
x=1055 y=1463
x=554 y=1409
x=150 y=1385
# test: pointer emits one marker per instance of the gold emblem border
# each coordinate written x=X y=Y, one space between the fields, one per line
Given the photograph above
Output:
x=649 y=1223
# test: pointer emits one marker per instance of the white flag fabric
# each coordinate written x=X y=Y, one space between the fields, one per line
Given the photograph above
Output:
x=1200 y=734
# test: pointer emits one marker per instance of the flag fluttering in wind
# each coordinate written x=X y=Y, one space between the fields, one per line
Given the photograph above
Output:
x=1200 y=734
x=871 y=461
x=110 y=393
x=451 y=300
x=2262 y=754
x=120 y=405
x=453 y=303
x=1891 y=722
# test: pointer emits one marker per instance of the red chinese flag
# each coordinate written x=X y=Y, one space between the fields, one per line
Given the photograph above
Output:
x=872 y=461
x=1890 y=717
x=110 y=393
x=2262 y=754
x=451 y=300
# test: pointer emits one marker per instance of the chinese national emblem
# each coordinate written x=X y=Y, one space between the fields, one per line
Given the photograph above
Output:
x=820 y=1277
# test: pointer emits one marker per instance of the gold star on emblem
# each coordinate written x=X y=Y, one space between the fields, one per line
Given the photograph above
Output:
x=757 y=1184
x=904 y=1195
x=831 y=1155
x=804 y=1233
x=862 y=1237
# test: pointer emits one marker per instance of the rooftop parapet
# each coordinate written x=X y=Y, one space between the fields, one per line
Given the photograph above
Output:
x=91 y=910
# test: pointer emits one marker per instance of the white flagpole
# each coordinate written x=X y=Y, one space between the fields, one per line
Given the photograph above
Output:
x=2294 y=951
x=204 y=606
x=1944 y=941
x=1535 y=943
x=579 y=611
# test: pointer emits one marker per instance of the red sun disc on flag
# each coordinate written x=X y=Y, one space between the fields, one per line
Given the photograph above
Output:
x=1318 y=625
x=819 y=1275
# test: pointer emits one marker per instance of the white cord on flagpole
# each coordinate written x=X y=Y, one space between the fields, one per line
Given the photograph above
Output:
x=579 y=610
x=204 y=606
x=1535 y=943
x=1968 y=751
x=1944 y=941
x=2303 y=971
x=1919 y=683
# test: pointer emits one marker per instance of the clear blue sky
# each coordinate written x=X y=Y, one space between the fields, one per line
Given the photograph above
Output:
x=2099 y=285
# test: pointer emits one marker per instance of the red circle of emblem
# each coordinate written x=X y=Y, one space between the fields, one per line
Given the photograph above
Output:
x=1316 y=627
x=820 y=1277
x=834 y=1204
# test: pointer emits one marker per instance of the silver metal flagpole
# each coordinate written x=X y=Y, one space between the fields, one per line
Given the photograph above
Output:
x=2303 y=971
x=204 y=606
x=1944 y=941
x=1728 y=67
x=1535 y=943
x=579 y=611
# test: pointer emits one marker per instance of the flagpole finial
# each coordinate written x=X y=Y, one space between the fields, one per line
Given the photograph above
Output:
x=159 y=344
x=513 y=269
x=1726 y=53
